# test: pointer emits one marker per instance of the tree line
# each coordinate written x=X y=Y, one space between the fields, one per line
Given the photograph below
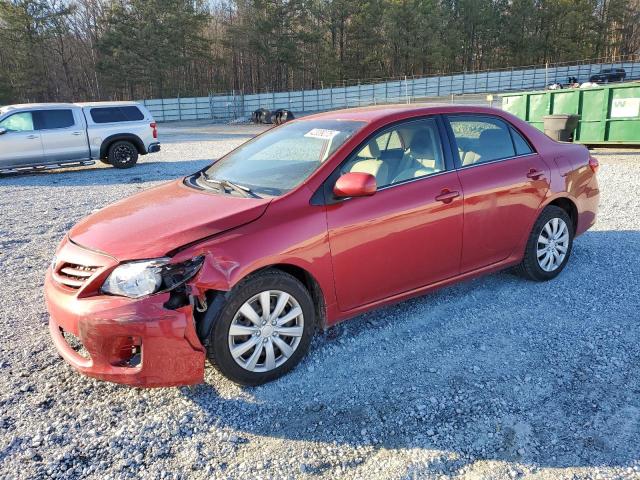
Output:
x=62 y=50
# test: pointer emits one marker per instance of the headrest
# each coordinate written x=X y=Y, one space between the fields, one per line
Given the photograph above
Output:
x=371 y=150
x=421 y=145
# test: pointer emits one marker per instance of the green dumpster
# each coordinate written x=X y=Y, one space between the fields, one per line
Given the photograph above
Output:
x=609 y=115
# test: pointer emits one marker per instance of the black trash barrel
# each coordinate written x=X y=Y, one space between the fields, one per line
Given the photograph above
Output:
x=561 y=127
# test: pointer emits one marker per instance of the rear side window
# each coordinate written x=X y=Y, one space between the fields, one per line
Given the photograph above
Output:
x=522 y=146
x=481 y=139
x=116 y=114
x=53 y=119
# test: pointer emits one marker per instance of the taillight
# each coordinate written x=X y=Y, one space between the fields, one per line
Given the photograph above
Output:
x=154 y=127
x=593 y=163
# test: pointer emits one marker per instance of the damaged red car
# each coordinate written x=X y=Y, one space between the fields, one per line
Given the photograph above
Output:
x=308 y=224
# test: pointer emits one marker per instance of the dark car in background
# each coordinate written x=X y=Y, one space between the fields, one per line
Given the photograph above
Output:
x=607 y=75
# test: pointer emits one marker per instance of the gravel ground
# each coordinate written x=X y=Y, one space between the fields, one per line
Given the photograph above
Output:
x=492 y=378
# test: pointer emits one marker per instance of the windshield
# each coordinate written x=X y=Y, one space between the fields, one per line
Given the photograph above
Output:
x=282 y=158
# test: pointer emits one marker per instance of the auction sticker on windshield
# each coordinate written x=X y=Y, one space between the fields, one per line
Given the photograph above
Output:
x=321 y=133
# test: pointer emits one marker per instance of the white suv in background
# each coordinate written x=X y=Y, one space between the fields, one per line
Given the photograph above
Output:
x=49 y=135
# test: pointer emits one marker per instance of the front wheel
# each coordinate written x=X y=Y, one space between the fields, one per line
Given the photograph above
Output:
x=263 y=330
x=549 y=245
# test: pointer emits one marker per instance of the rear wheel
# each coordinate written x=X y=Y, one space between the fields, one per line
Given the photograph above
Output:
x=549 y=245
x=122 y=154
x=264 y=329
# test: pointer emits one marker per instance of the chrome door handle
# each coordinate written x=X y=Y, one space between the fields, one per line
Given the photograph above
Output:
x=31 y=137
x=77 y=134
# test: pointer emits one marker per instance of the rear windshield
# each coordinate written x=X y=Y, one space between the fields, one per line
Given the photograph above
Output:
x=116 y=114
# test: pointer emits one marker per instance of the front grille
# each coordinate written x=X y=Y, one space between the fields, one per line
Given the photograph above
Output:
x=73 y=275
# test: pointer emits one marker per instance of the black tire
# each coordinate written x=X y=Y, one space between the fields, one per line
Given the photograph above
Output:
x=530 y=267
x=122 y=154
x=219 y=352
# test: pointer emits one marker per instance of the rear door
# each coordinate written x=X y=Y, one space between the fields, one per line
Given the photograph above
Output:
x=63 y=134
x=504 y=182
x=20 y=145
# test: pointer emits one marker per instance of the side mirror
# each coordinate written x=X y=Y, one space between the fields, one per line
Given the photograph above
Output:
x=355 y=184
x=3 y=130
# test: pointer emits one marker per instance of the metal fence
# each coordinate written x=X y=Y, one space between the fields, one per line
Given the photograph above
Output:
x=236 y=106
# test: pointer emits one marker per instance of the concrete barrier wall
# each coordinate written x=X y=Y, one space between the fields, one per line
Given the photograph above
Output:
x=230 y=107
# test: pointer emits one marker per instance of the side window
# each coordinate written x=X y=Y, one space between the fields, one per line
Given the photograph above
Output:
x=18 y=122
x=522 y=146
x=404 y=152
x=116 y=114
x=132 y=114
x=53 y=119
x=481 y=139
x=107 y=115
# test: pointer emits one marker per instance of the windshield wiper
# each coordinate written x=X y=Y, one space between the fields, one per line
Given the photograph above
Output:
x=226 y=184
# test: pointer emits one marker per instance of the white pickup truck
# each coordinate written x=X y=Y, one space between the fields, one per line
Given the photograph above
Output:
x=38 y=136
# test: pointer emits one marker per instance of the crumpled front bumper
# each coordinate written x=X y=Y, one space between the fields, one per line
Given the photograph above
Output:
x=112 y=328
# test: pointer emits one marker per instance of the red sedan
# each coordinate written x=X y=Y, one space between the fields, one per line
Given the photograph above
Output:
x=304 y=226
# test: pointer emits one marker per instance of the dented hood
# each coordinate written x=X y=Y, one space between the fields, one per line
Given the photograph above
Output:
x=159 y=220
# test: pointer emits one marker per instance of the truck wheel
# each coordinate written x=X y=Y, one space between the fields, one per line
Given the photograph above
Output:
x=122 y=154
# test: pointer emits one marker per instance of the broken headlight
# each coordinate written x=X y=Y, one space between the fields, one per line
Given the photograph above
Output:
x=142 y=278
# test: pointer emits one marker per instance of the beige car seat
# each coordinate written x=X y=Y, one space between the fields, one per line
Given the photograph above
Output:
x=368 y=161
x=421 y=159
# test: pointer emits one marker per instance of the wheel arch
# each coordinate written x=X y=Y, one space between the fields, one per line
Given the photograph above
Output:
x=569 y=206
x=129 y=137
x=312 y=286
x=217 y=298
x=562 y=201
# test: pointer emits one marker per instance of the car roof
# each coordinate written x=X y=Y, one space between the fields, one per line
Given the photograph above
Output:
x=22 y=106
x=106 y=104
x=380 y=112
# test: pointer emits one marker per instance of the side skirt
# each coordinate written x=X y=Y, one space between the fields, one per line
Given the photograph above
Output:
x=335 y=316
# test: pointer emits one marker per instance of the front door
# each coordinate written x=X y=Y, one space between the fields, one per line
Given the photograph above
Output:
x=504 y=182
x=409 y=233
x=21 y=144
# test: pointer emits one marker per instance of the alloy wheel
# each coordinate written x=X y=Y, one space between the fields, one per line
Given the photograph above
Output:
x=266 y=331
x=553 y=244
x=123 y=153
